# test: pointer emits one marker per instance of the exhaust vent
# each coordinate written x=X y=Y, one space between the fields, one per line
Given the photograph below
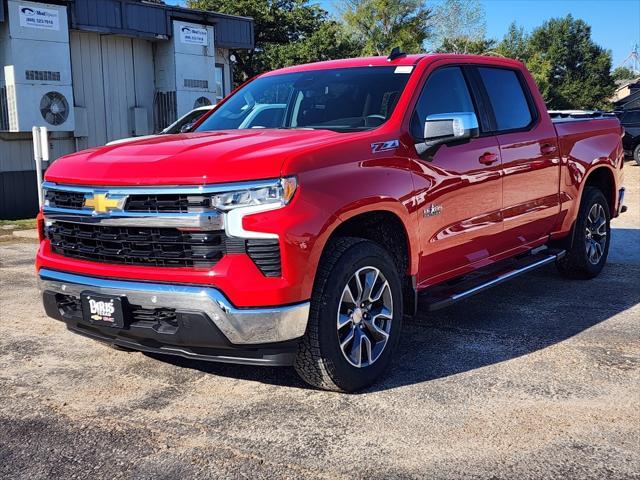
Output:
x=54 y=108
x=192 y=83
x=4 y=109
x=202 y=102
x=165 y=110
x=42 y=76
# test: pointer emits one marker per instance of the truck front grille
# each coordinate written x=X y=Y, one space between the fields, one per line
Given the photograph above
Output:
x=194 y=235
x=60 y=199
x=165 y=203
x=163 y=247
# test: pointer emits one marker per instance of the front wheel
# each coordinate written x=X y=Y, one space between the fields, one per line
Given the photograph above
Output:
x=590 y=246
x=355 y=317
x=636 y=154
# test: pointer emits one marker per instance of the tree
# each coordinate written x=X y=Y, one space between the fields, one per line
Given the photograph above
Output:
x=381 y=25
x=466 y=45
x=285 y=32
x=572 y=70
x=624 y=73
x=458 y=19
x=515 y=44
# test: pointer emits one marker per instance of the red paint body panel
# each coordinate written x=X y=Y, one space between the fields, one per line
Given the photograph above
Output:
x=585 y=147
x=489 y=212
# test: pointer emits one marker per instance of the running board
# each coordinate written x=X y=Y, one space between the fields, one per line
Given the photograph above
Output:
x=443 y=295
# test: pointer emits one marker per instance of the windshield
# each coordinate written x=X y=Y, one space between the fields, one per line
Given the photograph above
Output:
x=342 y=100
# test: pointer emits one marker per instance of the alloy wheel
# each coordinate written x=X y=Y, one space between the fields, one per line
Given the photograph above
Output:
x=364 y=319
x=596 y=233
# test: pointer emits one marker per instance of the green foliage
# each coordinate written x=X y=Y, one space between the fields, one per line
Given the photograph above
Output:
x=624 y=73
x=515 y=43
x=328 y=42
x=468 y=46
x=381 y=25
x=286 y=32
x=572 y=70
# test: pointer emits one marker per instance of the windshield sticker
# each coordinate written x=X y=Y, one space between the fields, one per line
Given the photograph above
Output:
x=384 y=146
x=404 y=69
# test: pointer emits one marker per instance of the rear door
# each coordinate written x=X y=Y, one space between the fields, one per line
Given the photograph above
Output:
x=458 y=187
x=530 y=158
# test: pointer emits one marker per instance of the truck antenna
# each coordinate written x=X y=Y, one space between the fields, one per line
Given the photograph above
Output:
x=395 y=53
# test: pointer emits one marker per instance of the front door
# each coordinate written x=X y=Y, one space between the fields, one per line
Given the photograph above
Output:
x=458 y=187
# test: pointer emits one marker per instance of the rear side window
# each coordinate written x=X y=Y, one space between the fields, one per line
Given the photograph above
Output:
x=445 y=92
x=507 y=98
x=631 y=117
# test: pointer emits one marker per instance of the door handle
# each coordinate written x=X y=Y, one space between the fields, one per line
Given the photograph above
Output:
x=548 y=149
x=488 y=158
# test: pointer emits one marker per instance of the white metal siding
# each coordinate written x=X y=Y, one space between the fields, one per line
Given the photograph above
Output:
x=144 y=77
x=111 y=75
x=16 y=150
x=88 y=90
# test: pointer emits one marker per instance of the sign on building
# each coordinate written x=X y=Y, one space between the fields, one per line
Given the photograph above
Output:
x=194 y=35
x=37 y=17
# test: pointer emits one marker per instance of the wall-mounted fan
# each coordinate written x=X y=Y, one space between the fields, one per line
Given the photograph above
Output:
x=54 y=108
x=202 y=102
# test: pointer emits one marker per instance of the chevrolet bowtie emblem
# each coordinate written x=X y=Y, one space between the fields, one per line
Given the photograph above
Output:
x=103 y=203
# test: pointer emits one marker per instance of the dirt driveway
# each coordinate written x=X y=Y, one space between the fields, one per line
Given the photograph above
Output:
x=538 y=378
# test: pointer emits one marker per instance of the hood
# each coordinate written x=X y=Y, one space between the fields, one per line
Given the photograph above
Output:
x=189 y=158
x=130 y=139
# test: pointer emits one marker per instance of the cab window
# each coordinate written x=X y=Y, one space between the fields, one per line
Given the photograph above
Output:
x=507 y=97
x=445 y=91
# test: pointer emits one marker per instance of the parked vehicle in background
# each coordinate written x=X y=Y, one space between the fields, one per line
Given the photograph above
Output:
x=630 y=120
x=183 y=124
x=300 y=220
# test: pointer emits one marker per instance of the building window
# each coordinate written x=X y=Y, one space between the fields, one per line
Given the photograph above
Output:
x=220 y=90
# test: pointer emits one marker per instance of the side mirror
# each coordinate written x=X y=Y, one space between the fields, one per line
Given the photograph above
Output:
x=448 y=127
x=186 y=127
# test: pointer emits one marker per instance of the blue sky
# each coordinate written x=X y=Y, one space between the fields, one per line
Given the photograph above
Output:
x=615 y=24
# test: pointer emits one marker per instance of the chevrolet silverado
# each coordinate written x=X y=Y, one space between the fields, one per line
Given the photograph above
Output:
x=306 y=237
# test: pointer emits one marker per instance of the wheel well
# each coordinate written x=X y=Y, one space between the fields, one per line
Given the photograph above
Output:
x=387 y=230
x=602 y=179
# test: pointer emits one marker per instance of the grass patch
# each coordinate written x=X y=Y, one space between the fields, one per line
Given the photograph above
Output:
x=24 y=224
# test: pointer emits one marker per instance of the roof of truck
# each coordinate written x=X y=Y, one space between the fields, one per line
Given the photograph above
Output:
x=399 y=61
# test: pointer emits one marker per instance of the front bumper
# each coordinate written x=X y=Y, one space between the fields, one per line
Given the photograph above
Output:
x=203 y=323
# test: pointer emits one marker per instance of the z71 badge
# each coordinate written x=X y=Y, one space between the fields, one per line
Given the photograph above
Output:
x=384 y=146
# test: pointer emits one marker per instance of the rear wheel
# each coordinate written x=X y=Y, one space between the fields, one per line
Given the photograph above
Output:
x=355 y=317
x=636 y=154
x=588 y=253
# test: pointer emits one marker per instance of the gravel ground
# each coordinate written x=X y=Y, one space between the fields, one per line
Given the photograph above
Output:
x=537 y=378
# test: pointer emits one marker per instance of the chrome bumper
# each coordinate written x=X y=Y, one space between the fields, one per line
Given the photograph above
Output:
x=241 y=326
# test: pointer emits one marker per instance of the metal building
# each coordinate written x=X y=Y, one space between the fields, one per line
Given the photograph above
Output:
x=93 y=71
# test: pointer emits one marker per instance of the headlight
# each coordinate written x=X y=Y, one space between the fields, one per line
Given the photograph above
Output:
x=280 y=192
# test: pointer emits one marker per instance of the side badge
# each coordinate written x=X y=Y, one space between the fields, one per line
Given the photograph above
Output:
x=432 y=210
x=379 y=147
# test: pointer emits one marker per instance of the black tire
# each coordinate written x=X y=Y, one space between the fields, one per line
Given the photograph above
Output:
x=320 y=360
x=576 y=263
x=636 y=154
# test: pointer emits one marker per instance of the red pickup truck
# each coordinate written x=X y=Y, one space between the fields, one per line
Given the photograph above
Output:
x=299 y=220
